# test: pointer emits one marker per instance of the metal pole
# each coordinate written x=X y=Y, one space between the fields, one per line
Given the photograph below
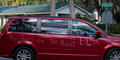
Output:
x=106 y=27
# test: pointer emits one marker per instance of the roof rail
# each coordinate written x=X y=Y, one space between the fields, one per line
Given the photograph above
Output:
x=41 y=16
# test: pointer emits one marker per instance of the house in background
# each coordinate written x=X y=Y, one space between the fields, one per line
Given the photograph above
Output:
x=62 y=9
x=3 y=18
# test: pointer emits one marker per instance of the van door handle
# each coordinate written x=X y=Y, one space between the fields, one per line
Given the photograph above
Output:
x=74 y=39
x=64 y=39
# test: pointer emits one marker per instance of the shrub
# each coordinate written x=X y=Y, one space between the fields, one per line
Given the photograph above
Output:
x=112 y=28
x=1 y=27
x=84 y=18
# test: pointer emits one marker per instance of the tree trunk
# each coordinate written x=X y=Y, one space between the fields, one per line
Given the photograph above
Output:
x=72 y=9
x=52 y=7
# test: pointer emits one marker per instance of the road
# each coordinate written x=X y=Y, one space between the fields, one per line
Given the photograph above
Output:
x=2 y=58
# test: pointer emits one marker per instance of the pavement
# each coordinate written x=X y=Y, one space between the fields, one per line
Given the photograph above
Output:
x=2 y=58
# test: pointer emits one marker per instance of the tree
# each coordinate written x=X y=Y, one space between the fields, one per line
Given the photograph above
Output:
x=52 y=7
x=21 y=2
x=72 y=9
x=116 y=10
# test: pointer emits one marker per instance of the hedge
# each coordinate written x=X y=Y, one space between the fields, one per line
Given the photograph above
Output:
x=1 y=27
x=78 y=16
x=112 y=28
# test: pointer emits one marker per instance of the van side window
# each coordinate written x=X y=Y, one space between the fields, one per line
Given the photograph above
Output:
x=24 y=25
x=82 y=29
x=54 y=26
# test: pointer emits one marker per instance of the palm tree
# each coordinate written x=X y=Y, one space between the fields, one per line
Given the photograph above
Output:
x=72 y=9
x=52 y=7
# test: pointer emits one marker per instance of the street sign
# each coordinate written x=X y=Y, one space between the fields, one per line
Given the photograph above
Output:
x=107 y=4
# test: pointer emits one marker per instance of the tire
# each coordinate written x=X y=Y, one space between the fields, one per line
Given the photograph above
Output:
x=113 y=54
x=24 y=53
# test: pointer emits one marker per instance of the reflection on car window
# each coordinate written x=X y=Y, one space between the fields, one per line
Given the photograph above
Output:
x=24 y=25
x=54 y=26
x=82 y=29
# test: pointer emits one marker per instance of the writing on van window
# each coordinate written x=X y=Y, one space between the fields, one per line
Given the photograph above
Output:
x=54 y=26
x=82 y=29
x=24 y=25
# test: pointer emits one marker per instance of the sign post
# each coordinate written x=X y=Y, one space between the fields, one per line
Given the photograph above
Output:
x=107 y=6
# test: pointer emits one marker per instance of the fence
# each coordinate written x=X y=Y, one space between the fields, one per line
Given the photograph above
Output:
x=111 y=28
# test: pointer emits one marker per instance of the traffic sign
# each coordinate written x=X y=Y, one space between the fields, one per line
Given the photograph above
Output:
x=107 y=4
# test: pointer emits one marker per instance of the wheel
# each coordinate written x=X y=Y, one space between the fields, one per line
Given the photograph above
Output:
x=113 y=54
x=24 y=53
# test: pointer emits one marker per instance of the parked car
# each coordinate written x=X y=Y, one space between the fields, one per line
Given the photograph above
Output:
x=54 y=38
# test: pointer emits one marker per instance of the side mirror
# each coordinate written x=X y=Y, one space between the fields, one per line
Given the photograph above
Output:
x=98 y=34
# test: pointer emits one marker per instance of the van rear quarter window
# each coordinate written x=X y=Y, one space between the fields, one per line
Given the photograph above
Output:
x=24 y=25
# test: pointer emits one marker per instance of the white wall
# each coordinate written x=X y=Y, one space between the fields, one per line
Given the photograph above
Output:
x=65 y=10
x=95 y=14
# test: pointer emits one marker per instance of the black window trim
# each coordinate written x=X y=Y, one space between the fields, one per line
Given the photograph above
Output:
x=39 y=25
x=18 y=31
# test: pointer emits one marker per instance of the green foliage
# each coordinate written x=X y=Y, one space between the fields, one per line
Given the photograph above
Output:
x=84 y=18
x=115 y=29
x=1 y=27
x=112 y=28
x=21 y=2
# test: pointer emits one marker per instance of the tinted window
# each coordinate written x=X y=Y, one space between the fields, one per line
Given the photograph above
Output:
x=82 y=29
x=54 y=26
x=24 y=25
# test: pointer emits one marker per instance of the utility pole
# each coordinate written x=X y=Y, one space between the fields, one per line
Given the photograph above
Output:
x=72 y=9
x=99 y=11
x=99 y=2
x=52 y=7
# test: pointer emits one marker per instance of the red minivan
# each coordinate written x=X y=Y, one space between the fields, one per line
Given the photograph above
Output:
x=54 y=38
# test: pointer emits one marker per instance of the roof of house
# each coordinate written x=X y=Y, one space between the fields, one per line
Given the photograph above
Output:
x=30 y=8
x=5 y=8
x=40 y=8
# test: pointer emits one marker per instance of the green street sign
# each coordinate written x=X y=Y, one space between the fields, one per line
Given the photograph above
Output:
x=107 y=4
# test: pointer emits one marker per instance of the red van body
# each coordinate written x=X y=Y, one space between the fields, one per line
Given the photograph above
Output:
x=56 y=46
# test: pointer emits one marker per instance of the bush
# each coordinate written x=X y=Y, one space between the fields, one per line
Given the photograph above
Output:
x=115 y=28
x=112 y=28
x=1 y=27
x=84 y=18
